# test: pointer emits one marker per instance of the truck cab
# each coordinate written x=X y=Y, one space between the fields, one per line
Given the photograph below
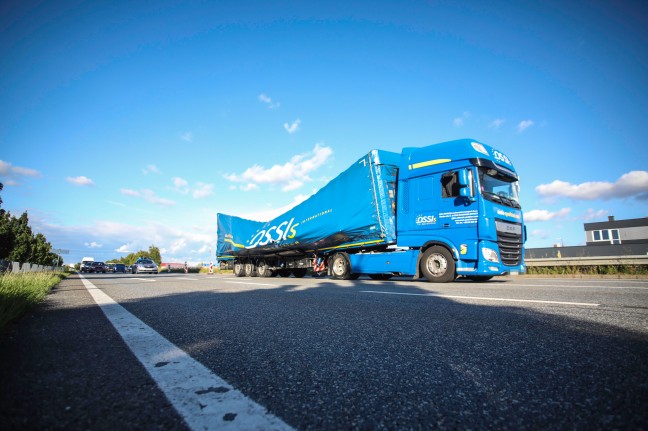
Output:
x=458 y=204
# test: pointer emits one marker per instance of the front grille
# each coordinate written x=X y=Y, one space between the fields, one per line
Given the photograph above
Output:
x=509 y=240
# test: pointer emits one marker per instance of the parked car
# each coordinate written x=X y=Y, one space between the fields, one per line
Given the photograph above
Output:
x=144 y=265
x=98 y=267
x=119 y=267
x=110 y=267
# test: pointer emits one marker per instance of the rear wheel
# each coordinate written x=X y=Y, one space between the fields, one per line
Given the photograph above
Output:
x=300 y=272
x=263 y=270
x=250 y=269
x=340 y=267
x=438 y=265
x=239 y=269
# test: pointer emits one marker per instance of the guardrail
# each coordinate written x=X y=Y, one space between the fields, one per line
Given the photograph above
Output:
x=589 y=261
x=17 y=267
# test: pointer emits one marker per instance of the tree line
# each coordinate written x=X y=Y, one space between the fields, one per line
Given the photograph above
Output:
x=153 y=253
x=18 y=243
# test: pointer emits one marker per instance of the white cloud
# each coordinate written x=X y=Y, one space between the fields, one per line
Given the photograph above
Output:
x=93 y=244
x=459 y=121
x=524 y=124
x=591 y=214
x=148 y=196
x=292 y=128
x=187 y=136
x=289 y=176
x=496 y=123
x=267 y=100
x=270 y=214
x=150 y=169
x=544 y=215
x=632 y=184
x=180 y=185
x=13 y=173
x=80 y=181
x=203 y=190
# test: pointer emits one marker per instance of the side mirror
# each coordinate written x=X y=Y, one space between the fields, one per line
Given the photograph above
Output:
x=464 y=177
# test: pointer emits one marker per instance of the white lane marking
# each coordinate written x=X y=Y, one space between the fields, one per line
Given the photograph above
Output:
x=187 y=278
x=588 y=304
x=142 y=279
x=505 y=284
x=249 y=282
x=203 y=399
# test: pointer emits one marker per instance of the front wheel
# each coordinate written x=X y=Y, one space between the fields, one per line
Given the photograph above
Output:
x=479 y=277
x=438 y=265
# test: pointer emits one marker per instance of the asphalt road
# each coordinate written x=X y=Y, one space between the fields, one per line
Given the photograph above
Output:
x=513 y=353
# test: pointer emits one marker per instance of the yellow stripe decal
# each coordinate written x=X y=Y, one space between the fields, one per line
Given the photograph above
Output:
x=234 y=244
x=353 y=245
x=429 y=163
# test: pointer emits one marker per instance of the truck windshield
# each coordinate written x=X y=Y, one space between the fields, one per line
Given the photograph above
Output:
x=498 y=187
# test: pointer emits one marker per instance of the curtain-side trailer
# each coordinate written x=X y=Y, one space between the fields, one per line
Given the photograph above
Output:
x=441 y=211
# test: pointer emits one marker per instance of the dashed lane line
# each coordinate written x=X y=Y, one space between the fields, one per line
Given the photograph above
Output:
x=203 y=399
x=535 y=301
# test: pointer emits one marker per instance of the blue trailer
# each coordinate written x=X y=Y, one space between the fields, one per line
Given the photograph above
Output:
x=441 y=211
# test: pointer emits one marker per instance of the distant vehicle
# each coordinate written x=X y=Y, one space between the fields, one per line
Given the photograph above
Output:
x=144 y=265
x=110 y=267
x=86 y=264
x=119 y=267
x=98 y=267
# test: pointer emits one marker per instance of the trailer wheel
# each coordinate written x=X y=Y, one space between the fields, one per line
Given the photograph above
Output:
x=438 y=265
x=250 y=269
x=299 y=272
x=340 y=267
x=283 y=273
x=239 y=269
x=263 y=270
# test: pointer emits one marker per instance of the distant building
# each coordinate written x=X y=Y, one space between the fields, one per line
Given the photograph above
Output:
x=609 y=238
x=630 y=231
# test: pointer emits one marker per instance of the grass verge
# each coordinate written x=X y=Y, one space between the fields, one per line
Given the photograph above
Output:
x=20 y=292
x=610 y=270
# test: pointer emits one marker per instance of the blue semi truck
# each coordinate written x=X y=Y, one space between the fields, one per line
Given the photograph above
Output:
x=441 y=211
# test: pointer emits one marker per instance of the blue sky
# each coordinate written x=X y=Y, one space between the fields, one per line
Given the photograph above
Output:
x=128 y=124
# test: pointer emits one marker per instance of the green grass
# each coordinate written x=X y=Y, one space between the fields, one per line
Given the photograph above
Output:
x=626 y=270
x=20 y=292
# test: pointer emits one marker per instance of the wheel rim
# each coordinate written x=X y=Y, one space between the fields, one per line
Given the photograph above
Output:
x=437 y=264
x=339 y=266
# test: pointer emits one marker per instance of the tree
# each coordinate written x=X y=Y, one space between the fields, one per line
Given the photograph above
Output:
x=154 y=254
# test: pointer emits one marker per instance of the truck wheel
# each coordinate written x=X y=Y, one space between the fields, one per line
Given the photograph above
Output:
x=250 y=269
x=438 y=265
x=299 y=272
x=340 y=267
x=263 y=270
x=239 y=270
x=283 y=273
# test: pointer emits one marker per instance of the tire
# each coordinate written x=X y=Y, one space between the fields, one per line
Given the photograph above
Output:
x=263 y=270
x=239 y=269
x=479 y=278
x=299 y=272
x=283 y=273
x=250 y=269
x=438 y=265
x=340 y=267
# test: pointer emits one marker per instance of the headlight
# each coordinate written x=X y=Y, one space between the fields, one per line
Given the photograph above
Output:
x=490 y=254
